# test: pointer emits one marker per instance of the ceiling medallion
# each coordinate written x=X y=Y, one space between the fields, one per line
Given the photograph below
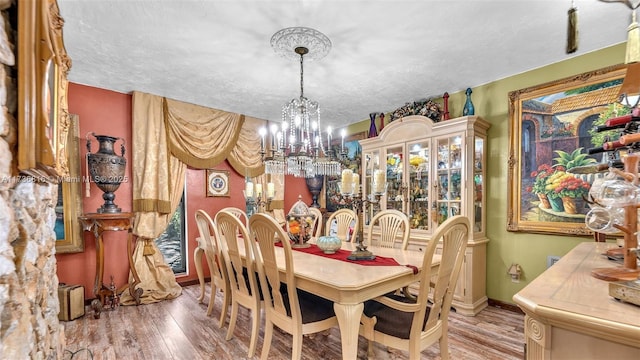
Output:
x=285 y=41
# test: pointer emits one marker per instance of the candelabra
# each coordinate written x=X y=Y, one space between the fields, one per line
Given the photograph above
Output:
x=351 y=192
x=255 y=200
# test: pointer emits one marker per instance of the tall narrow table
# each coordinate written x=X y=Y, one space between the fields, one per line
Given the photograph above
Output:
x=98 y=223
x=349 y=284
x=570 y=315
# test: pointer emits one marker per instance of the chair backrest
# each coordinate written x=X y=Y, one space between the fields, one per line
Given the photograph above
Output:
x=229 y=228
x=453 y=234
x=241 y=214
x=316 y=228
x=345 y=219
x=391 y=223
x=265 y=230
x=209 y=233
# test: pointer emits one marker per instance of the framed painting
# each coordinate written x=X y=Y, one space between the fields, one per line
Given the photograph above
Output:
x=217 y=183
x=351 y=161
x=552 y=128
x=43 y=65
x=69 y=237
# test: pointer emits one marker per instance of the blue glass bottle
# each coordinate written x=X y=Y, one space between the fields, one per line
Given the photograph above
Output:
x=468 y=106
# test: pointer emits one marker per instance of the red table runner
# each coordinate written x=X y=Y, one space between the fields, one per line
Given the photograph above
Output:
x=343 y=254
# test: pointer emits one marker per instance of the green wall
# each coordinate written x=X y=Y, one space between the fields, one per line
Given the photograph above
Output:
x=491 y=103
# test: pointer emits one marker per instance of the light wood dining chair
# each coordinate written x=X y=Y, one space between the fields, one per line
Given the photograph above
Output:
x=219 y=280
x=292 y=310
x=241 y=272
x=345 y=220
x=241 y=214
x=317 y=222
x=391 y=224
x=413 y=325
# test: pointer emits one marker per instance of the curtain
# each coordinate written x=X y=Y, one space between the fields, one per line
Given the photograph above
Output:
x=168 y=135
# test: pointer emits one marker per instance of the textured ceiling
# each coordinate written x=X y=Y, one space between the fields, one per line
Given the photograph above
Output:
x=385 y=53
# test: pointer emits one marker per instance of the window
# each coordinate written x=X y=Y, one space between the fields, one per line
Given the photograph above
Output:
x=172 y=242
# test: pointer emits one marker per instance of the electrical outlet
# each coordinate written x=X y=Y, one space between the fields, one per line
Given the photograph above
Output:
x=552 y=259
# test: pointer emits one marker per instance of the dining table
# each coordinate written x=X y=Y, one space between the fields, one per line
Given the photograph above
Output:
x=350 y=283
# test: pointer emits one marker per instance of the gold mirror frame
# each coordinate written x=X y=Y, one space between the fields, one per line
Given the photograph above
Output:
x=43 y=116
x=71 y=194
x=519 y=217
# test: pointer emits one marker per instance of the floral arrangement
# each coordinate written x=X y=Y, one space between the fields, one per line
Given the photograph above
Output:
x=572 y=187
x=553 y=182
x=558 y=131
x=427 y=108
x=540 y=176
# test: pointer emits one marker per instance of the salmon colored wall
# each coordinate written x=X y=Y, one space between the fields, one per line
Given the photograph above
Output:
x=109 y=113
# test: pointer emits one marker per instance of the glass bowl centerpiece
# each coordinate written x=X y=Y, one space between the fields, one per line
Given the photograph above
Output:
x=300 y=224
x=329 y=244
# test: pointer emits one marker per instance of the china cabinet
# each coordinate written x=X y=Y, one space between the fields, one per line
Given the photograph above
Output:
x=434 y=171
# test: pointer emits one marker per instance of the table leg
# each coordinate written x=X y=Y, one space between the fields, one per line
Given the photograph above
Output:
x=349 y=323
x=97 y=285
x=135 y=293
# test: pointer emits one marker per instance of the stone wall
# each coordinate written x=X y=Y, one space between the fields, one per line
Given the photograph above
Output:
x=29 y=326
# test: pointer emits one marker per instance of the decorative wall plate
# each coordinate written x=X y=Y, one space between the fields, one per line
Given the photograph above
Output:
x=217 y=183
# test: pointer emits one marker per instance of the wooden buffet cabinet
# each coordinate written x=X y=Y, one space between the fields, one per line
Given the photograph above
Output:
x=434 y=171
x=570 y=315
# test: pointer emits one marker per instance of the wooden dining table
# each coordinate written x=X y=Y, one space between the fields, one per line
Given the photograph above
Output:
x=349 y=284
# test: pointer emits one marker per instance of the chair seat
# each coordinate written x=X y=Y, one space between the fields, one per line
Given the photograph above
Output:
x=313 y=308
x=389 y=320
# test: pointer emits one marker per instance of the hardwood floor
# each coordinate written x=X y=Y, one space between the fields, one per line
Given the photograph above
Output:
x=180 y=329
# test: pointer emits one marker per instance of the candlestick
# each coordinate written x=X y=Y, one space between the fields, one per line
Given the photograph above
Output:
x=346 y=185
x=379 y=180
x=248 y=191
x=271 y=190
x=258 y=188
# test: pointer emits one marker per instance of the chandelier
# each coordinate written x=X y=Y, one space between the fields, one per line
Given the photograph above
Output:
x=297 y=147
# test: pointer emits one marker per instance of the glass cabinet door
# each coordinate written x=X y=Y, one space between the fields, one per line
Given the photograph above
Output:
x=448 y=185
x=478 y=184
x=395 y=180
x=418 y=185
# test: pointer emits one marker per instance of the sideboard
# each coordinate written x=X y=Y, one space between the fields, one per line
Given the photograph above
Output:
x=570 y=315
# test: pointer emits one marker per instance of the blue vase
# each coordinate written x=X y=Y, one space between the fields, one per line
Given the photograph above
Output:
x=468 y=106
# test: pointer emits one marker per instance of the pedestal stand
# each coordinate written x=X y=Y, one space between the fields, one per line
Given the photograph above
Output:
x=97 y=224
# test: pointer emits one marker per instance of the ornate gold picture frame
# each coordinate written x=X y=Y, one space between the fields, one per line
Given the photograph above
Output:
x=69 y=236
x=43 y=65
x=550 y=124
x=217 y=183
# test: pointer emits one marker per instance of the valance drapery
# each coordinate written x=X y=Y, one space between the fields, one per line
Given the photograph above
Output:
x=168 y=135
